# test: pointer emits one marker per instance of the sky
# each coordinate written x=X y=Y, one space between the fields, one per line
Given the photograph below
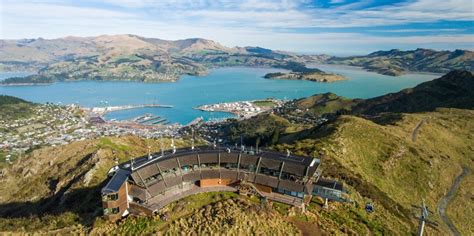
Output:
x=337 y=27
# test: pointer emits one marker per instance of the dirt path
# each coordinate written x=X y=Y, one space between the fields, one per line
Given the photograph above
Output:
x=448 y=197
x=306 y=228
x=415 y=131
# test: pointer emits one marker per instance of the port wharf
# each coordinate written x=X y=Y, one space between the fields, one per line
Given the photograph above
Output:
x=104 y=110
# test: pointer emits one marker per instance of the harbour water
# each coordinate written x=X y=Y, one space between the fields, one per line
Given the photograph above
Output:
x=220 y=85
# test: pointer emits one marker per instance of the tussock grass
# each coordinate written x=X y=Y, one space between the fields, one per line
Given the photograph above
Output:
x=385 y=166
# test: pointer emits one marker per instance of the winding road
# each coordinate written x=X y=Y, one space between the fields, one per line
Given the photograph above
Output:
x=448 y=197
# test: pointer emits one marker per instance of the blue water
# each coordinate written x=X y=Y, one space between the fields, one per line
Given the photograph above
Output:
x=221 y=85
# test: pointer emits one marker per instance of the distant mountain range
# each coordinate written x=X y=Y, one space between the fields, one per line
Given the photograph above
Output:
x=131 y=57
x=396 y=62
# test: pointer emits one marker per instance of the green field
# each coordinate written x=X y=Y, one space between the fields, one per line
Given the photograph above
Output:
x=264 y=103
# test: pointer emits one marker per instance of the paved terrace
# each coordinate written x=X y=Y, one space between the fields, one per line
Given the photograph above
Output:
x=160 y=201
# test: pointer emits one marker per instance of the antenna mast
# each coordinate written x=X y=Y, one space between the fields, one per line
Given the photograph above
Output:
x=173 y=146
x=149 y=153
x=192 y=139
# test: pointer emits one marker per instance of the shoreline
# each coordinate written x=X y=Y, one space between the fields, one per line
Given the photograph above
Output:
x=25 y=84
x=360 y=68
x=309 y=65
x=180 y=77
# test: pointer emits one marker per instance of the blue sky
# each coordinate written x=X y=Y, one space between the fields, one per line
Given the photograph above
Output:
x=341 y=27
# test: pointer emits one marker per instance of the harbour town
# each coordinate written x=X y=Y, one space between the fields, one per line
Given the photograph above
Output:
x=62 y=124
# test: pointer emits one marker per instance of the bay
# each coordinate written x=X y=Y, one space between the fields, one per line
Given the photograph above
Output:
x=220 y=85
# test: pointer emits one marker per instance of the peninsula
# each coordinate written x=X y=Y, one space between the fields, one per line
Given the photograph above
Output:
x=311 y=76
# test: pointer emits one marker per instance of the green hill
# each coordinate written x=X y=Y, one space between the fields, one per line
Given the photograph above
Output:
x=12 y=108
x=384 y=165
x=454 y=89
x=397 y=62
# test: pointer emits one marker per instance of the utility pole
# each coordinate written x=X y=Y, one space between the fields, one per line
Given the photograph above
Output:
x=423 y=218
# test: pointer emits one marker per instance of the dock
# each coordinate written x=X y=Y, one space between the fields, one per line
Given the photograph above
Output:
x=159 y=121
x=148 y=119
x=104 y=110
x=195 y=121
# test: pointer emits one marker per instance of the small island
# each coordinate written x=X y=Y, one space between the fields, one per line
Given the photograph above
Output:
x=317 y=76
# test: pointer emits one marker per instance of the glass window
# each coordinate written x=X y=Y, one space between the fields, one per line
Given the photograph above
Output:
x=251 y=168
x=186 y=168
x=229 y=165
x=111 y=211
x=110 y=197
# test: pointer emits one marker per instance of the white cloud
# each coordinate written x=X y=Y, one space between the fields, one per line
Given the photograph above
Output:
x=43 y=10
x=337 y=1
x=272 y=24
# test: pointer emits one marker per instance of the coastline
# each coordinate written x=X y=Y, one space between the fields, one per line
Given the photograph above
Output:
x=360 y=68
x=131 y=80
x=25 y=84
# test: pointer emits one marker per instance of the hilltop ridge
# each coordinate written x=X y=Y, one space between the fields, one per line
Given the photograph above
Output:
x=396 y=62
x=126 y=57
x=133 y=57
x=454 y=89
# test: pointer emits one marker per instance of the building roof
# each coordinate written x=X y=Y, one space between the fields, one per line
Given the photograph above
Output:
x=116 y=181
x=332 y=184
x=143 y=161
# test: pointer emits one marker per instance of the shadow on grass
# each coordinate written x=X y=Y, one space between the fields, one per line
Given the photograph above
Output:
x=84 y=203
x=384 y=118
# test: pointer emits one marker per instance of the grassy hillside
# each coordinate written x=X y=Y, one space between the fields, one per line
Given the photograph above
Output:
x=386 y=166
x=12 y=108
x=454 y=89
x=394 y=150
x=396 y=62
x=59 y=187
x=57 y=190
x=461 y=209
